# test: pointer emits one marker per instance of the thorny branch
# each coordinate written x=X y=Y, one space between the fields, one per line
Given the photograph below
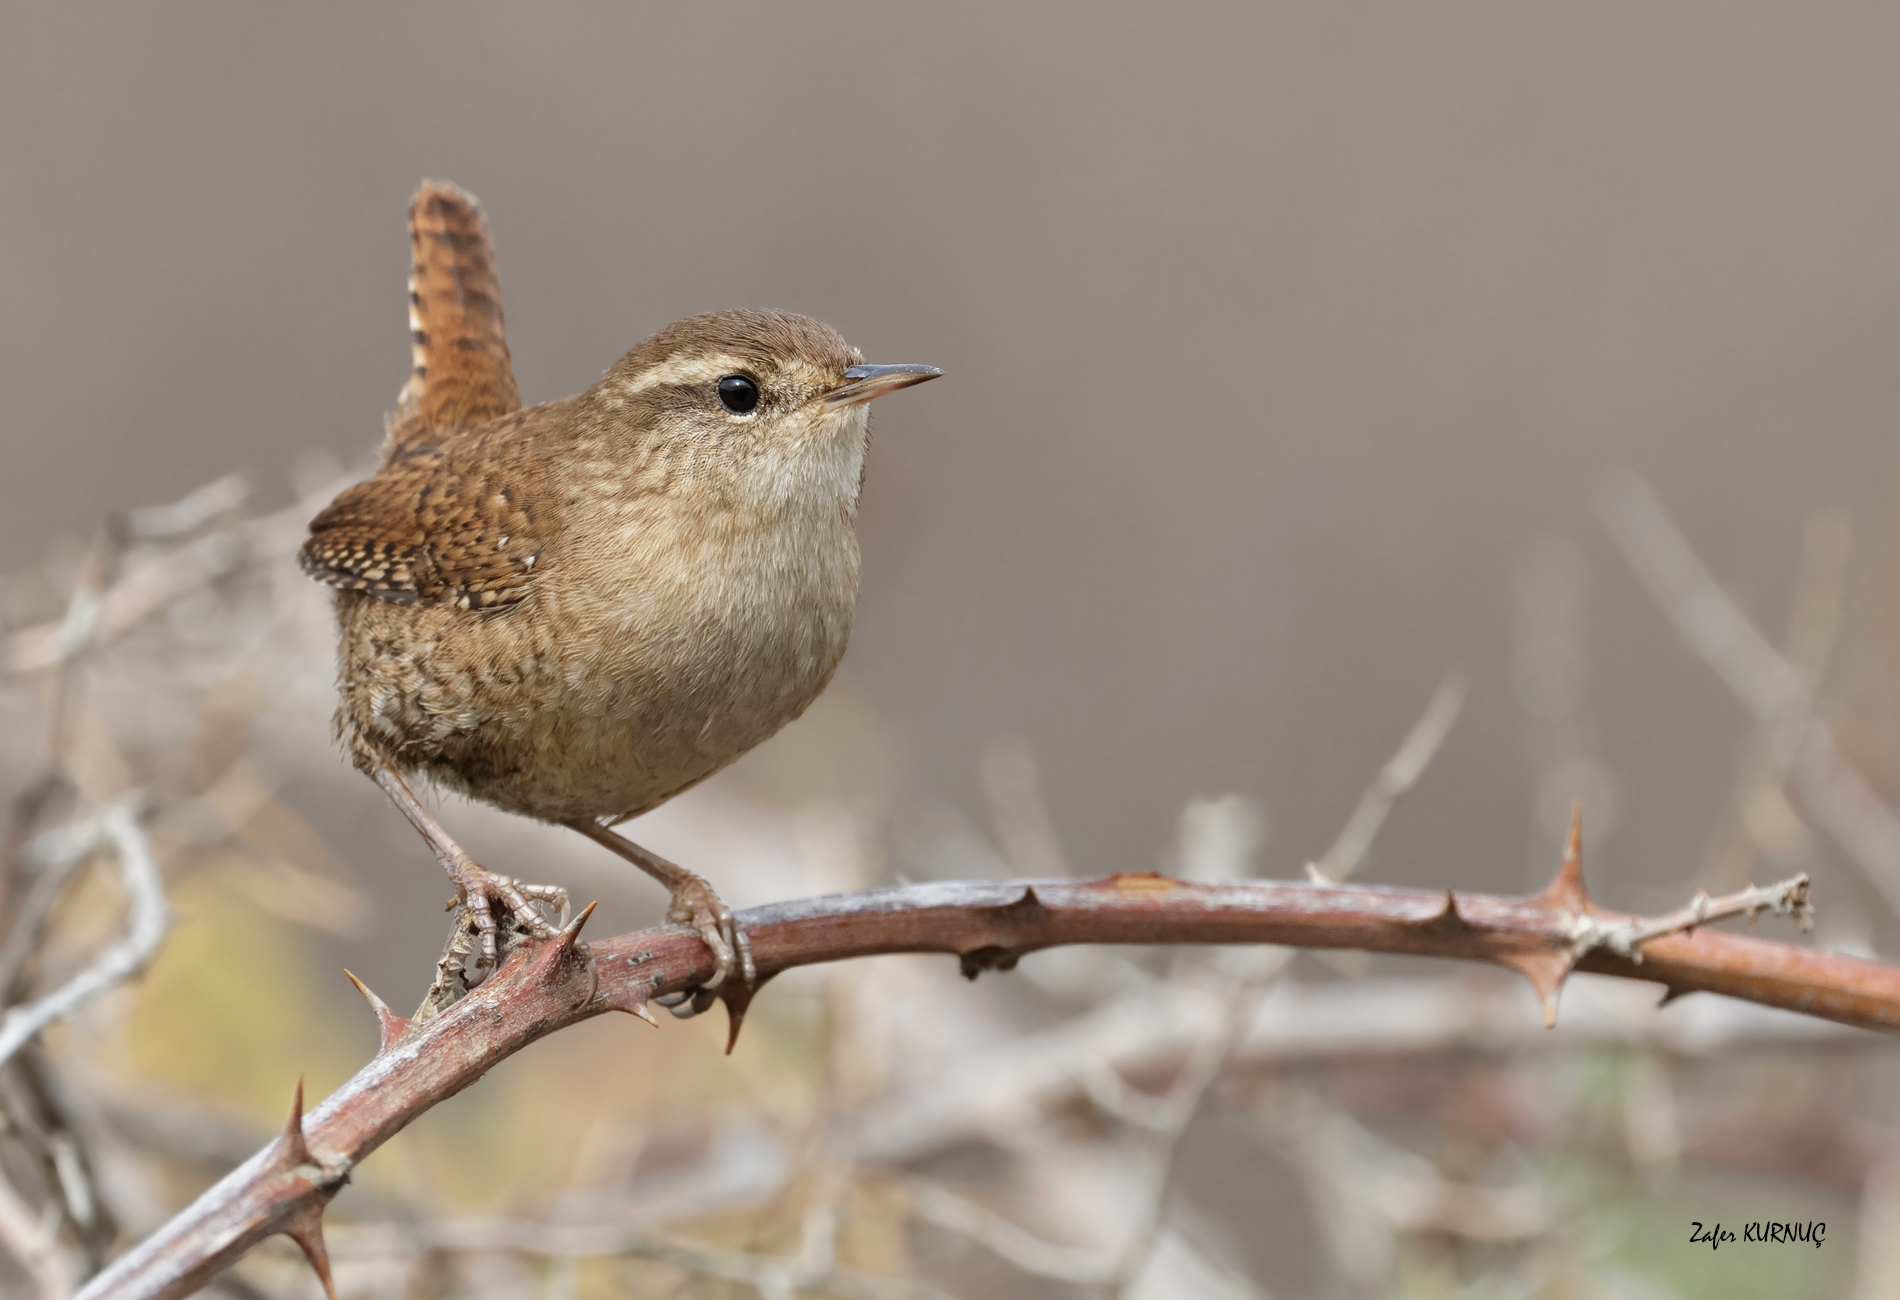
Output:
x=1248 y=975
x=541 y=989
x=1244 y=979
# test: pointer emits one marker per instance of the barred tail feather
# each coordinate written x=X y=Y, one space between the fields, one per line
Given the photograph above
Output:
x=462 y=372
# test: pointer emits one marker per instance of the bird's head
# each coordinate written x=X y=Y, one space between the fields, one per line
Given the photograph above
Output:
x=770 y=406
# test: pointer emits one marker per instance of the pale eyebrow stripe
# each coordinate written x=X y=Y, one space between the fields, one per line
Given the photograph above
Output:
x=681 y=369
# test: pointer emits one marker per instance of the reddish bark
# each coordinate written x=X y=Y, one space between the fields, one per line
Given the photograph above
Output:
x=988 y=926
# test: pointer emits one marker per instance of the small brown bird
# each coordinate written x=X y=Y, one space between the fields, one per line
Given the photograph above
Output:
x=578 y=610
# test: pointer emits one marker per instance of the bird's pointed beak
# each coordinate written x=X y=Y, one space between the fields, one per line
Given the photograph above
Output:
x=862 y=383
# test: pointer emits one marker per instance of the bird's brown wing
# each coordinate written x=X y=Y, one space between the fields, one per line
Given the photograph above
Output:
x=463 y=375
x=425 y=532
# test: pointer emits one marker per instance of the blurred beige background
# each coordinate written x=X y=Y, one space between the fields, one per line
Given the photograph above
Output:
x=1274 y=334
x=1284 y=348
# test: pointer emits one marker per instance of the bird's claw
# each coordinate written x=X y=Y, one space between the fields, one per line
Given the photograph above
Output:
x=695 y=904
x=481 y=890
x=687 y=1003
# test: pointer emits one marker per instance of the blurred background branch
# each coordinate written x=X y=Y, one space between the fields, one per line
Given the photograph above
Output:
x=1768 y=685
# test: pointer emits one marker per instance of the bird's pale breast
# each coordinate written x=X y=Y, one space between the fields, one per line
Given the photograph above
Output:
x=638 y=666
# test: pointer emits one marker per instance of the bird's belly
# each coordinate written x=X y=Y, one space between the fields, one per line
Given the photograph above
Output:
x=635 y=702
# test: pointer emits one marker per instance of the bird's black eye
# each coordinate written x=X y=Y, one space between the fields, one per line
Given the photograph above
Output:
x=738 y=394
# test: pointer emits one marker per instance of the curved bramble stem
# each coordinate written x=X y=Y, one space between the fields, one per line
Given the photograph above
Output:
x=546 y=986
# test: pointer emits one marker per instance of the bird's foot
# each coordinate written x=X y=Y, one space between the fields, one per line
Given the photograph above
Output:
x=696 y=904
x=524 y=912
x=482 y=893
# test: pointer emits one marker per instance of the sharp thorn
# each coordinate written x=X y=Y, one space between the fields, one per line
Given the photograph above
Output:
x=1547 y=972
x=1566 y=889
x=296 y=1150
x=306 y=1229
x=369 y=994
x=737 y=998
x=642 y=1010
x=573 y=929
x=1447 y=921
x=551 y=963
x=391 y=1026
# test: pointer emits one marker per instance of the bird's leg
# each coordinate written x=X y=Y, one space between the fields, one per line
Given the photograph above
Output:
x=694 y=904
x=478 y=888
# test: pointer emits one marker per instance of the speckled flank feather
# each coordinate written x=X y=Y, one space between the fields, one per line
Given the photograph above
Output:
x=462 y=375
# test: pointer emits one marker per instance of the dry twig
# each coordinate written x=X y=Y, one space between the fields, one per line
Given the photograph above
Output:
x=774 y=1277
x=1395 y=780
x=1005 y=1238
x=1759 y=818
x=1626 y=938
x=152 y=586
x=34 y=1241
x=150 y=918
x=1833 y=793
x=1171 y=1120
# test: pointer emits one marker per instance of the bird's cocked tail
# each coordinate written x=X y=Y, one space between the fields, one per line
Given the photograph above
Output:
x=462 y=373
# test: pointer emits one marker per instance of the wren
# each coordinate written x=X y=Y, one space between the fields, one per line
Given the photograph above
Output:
x=578 y=610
